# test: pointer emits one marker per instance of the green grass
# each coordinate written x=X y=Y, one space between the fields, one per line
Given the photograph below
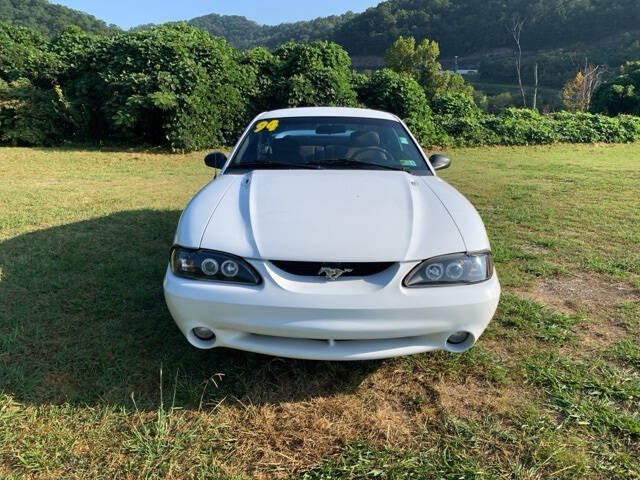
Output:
x=97 y=382
x=550 y=97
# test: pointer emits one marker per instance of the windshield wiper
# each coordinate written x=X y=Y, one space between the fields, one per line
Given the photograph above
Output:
x=267 y=165
x=347 y=162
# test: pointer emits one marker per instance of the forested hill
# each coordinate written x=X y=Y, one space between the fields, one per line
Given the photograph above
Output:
x=244 y=33
x=48 y=18
x=460 y=27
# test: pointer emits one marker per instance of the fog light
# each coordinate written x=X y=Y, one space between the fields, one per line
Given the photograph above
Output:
x=458 y=338
x=204 y=334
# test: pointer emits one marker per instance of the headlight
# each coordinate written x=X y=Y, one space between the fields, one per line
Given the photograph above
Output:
x=213 y=266
x=459 y=268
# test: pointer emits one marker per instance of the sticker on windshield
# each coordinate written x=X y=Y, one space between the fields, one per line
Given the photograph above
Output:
x=408 y=163
x=270 y=125
x=404 y=140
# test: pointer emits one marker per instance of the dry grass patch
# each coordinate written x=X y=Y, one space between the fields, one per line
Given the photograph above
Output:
x=390 y=407
x=474 y=400
x=598 y=298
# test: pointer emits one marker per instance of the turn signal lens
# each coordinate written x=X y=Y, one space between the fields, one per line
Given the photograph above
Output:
x=456 y=269
x=212 y=266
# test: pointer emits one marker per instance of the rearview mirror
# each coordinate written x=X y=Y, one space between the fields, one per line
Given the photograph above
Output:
x=215 y=160
x=439 y=161
x=330 y=129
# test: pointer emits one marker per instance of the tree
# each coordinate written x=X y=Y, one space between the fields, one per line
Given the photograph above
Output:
x=401 y=57
x=421 y=63
x=399 y=93
x=621 y=94
x=515 y=30
x=313 y=74
x=577 y=93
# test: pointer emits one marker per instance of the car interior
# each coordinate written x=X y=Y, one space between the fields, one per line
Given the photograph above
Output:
x=359 y=145
x=316 y=142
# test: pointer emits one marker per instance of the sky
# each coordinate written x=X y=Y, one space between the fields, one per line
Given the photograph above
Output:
x=130 y=13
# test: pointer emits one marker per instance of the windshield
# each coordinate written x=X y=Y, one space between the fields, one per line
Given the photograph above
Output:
x=328 y=142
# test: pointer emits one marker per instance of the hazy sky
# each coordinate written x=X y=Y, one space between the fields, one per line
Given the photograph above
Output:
x=129 y=13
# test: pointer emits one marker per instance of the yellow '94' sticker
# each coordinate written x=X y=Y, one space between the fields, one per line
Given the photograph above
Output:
x=270 y=125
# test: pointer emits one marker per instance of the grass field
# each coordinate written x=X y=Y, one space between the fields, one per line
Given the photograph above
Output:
x=97 y=382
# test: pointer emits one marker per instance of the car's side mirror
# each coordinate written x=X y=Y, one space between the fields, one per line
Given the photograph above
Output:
x=439 y=162
x=215 y=160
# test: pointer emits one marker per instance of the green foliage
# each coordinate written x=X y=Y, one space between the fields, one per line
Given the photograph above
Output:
x=312 y=74
x=258 y=84
x=468 y=26
x=33 y=116
x=49 y=19
x=178 y=87
x=522 y=127
x=396 y=93
x=245 y=34
x=23 y=52
x=400 y=94
x=620 y=94
x=500 y=102
x=421 y=62
x=462 y=120
x=589 y=128
x=173 y=85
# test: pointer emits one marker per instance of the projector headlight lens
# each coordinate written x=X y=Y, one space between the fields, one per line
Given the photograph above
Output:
x=212 y=266
x=456 y=269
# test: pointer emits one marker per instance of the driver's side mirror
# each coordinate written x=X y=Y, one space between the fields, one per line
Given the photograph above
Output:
x=439 y=162
x=215 y=160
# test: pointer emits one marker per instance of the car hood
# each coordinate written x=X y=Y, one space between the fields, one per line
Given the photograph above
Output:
x=329 y=216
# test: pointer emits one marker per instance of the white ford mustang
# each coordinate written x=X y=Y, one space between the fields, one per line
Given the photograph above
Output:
x=328 y=236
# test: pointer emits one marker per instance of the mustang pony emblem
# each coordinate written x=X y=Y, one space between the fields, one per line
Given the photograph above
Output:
x=334 y=273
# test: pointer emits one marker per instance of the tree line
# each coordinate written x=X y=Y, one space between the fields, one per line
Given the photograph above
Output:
x=178 y=87
x=557 y=35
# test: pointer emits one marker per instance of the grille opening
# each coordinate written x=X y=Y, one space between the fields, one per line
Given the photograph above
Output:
x=312 y=269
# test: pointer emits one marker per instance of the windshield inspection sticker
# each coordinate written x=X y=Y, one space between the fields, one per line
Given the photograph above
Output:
x=270 y=125
x=408 y=163
x=404 y=141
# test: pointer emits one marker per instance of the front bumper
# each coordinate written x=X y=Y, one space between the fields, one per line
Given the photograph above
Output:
x=350 y=319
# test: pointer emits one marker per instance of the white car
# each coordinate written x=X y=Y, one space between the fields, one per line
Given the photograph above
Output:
x=328 y=236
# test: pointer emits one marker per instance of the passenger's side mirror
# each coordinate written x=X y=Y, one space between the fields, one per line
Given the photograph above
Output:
x=440 y=162
x=215 y=160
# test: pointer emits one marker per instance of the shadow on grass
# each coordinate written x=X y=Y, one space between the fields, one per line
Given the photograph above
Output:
x=83 y=320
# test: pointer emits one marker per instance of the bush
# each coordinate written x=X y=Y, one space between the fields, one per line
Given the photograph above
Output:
x=313 y=74
x=171 y=85
x=589 y=128
x=33 y=116
x=521 y=127
x=397 y=93
x=461 y=119
x=23 y=53
x=620 y=94
x=401 y=95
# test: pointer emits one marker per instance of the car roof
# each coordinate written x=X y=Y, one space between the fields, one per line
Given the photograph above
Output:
x=327 y=112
